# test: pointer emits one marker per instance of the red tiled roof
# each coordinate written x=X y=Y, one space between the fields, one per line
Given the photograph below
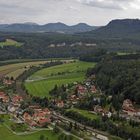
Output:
x=42 y=121
x=17 y=98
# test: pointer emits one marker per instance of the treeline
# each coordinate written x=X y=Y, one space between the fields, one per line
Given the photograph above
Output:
x=96 y=56
x=127 y=56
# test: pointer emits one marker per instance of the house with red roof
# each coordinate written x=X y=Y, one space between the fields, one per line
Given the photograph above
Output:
x=81 y=89
x=4 y=97
x=40 y=117
x=27 y=116
x=17 y=99
x=44 y=121
x=128 y=107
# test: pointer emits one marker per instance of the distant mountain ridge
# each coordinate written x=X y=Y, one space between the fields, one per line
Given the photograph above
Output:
x=50 y=27
x=118 y=28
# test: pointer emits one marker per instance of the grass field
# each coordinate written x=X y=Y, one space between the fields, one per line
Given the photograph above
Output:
x=10 y=42
x=125 y=53
x=44 y=80
x=5 y=134
x=16 y=69
x=85 y=113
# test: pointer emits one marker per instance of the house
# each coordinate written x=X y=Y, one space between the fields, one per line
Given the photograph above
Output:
x=93 y=89
x=8 y=82
x=28 y=119
x=44 y=121
x=17 y=99
x=60 y=104
x=81 y=89
x=39 y=118
x=12 y=108
x=4 y=97
x=31 y=123
x=128 y=107
x=47 y=111
x=98 y=109
x=27 y=116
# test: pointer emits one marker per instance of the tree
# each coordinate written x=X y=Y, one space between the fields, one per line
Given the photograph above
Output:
x=42 y=137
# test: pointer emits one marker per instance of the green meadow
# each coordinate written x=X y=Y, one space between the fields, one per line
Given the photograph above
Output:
x=6 y=134
x=10 y=42
x=41 y=82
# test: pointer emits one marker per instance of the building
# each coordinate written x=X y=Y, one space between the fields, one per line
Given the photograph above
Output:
x=98 y=109
x=81 y=89
x=17 y=99
x=60 y=104
x=93 y=89
x=128 y=107
x=4 y=97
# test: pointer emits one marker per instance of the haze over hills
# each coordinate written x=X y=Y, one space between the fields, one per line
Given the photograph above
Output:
x=118 y=28
x=50 y=27
x=115 y=28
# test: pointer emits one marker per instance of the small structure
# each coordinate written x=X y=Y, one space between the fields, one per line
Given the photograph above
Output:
x=98 y=109
x=8 y=82
x=93 y=89
x=60 y=104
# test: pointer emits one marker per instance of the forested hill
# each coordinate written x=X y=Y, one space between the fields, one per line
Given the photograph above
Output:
x=120 y=78
x=54 y=45
x=50 y=27
x=118 y=35
x=125 y=28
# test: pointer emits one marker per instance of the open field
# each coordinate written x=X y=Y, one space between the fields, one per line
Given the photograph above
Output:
x=16 y=69
x=6 y=134
x=125 y=53
x=41 y=82
x=85 y=113
x=10 y=42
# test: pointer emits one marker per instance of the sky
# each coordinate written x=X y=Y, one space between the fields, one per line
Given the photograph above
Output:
x=92 y=12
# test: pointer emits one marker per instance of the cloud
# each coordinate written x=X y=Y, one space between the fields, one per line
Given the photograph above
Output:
x=109 y=4
x=94 y=12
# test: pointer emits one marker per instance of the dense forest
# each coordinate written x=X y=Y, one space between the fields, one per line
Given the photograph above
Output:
x=37 y=45
x=119 y=77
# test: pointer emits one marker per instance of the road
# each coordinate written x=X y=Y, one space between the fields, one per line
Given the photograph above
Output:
x=62 y=118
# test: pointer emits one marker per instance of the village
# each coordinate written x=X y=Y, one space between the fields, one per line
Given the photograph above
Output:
x=35 y=116
x=79 y=93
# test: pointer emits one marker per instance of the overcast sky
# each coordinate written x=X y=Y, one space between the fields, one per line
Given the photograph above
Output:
x=93 y=12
